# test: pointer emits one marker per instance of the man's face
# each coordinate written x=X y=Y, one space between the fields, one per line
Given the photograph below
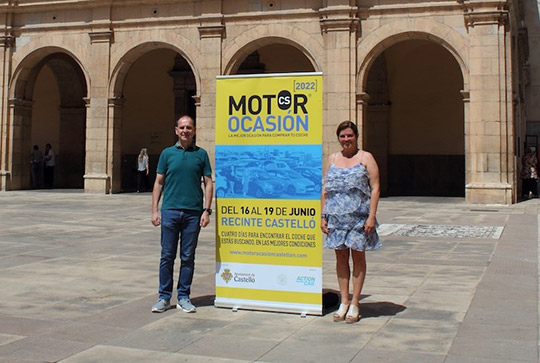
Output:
x=185 y=130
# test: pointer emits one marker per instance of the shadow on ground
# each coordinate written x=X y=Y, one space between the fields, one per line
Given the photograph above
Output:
x=330 y=304
x=382 y=308
x=367 y=310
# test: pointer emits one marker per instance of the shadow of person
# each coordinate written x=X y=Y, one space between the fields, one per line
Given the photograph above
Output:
x=205 y=300
x=367 y=310
x=381 y=308
x=330 y=301
x=330 y=304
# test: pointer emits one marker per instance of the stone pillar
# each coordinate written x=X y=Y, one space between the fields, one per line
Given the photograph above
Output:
x=116 y=107
x=465 y=94
x=6 y=48
x=211 y=32
x=361 y=113
x=97 y=178
x=488 y=119
x=339 y=25
x=18 y=157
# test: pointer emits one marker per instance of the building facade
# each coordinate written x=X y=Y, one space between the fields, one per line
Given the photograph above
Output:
x=438 y=88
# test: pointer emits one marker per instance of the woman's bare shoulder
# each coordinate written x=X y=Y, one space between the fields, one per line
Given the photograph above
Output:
x=332 y=157
x=366 y=155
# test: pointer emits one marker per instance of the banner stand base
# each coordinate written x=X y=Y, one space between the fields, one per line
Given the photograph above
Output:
x=269 y=306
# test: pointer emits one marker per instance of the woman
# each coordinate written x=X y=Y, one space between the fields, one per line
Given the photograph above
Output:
x=529 y=174
x=142 y=170
x=349 y=202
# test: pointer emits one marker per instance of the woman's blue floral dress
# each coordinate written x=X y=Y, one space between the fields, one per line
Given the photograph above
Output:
x=348 y=196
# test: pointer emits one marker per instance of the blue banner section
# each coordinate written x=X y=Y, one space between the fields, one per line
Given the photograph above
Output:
x=268 y=171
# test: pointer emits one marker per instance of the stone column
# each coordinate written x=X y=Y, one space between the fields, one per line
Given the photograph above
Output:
x=6 y=49
x=19 y=145
x=361 y=112
x=116 y=107
x=97 y=178
x=488 y=130
x=339 y=25
x=465 y=94
x=211 y=32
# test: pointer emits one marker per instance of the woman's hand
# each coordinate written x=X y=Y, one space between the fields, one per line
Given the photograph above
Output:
x=324 y=226
x=370 y=225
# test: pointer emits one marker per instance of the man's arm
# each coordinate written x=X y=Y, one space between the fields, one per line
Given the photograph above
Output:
x=208 y=194
x=156 y=195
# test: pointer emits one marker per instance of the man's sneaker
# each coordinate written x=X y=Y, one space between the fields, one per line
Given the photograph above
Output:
x=161 y=306
x=186 y=305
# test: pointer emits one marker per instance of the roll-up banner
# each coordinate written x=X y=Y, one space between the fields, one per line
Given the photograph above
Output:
x=268 y=163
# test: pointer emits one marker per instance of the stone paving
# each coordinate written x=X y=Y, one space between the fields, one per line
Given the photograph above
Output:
x=78 y=275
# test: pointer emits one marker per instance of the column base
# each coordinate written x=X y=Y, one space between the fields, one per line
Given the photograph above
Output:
x=5 y=180
x=97 y=183
x=489 y=193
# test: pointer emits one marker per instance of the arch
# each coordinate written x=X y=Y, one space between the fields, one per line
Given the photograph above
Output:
x=119 y=91
x=67 y=125
x=408 y=91
x=373 y=44
x=243 y=45
x=22 y=84
x=124 y=64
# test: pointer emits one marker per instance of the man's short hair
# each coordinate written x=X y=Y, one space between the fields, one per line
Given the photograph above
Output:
x=185 y=116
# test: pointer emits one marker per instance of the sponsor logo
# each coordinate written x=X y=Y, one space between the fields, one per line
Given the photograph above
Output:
x=306 y=280
x=244 y=278
x=227 y=275
x=282 y=279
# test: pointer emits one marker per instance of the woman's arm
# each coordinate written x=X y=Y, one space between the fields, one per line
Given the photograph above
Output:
x=374 y=184
x=324 y=221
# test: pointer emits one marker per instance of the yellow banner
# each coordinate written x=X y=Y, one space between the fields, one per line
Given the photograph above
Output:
x=268 y=165
x=269 y=110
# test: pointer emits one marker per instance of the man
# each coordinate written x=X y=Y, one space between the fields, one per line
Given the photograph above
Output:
x=179 y=172
x=50 y=162
x=35 y=161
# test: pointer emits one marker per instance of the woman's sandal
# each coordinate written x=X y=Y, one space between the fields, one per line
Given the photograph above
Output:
x=353 y=314
x=339 y=315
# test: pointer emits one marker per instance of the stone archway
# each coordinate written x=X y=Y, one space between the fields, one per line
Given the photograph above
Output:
x=414 y=119
x=154 y=86
x=48 y=106
x=271 y=55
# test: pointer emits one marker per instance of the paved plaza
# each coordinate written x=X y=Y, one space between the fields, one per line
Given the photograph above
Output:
x=454 y=282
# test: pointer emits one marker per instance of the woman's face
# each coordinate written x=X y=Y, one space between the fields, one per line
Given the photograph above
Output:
x=347 y=138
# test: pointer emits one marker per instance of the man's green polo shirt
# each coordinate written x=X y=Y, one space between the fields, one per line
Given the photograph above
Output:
x=183 y=170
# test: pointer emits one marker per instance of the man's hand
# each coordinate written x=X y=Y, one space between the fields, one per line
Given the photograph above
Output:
x=205 y=219
x=156 y=219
